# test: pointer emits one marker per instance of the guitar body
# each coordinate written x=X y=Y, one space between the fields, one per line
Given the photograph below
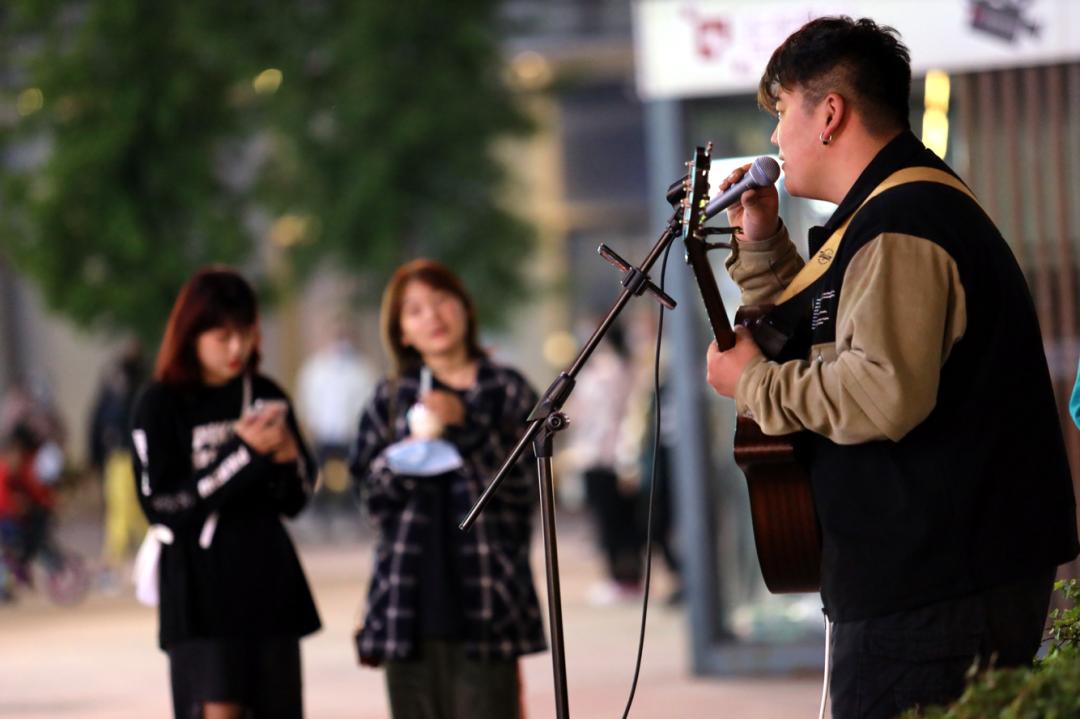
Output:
x=786 y=530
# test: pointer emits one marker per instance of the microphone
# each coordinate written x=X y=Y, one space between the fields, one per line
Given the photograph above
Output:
x=765 y=171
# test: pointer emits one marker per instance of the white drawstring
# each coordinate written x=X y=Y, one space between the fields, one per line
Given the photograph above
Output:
x=828 y=666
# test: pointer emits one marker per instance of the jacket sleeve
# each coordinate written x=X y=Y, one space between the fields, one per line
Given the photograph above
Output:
x=491 y=433
x=171 y=492
x=901 y=310
x=764 y=268
x=384 y=492
x=293 y=483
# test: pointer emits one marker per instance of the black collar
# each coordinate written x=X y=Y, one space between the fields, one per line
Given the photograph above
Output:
x=904 y=150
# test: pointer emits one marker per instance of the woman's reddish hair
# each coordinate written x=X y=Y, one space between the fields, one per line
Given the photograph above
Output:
x=213 y=297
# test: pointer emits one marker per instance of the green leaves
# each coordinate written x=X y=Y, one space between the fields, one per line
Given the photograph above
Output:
x=360 y=134
x=125 y=201
x=386 y=140
x=1065 y=623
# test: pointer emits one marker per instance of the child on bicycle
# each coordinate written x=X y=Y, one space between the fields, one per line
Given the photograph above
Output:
x=25 y=507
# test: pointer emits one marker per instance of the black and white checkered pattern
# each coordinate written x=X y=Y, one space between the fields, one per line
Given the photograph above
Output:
x=502 y=613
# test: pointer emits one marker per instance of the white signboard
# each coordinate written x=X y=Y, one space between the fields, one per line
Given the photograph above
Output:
x=692 y=48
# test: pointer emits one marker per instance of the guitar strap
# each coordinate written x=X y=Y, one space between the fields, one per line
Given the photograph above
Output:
x=823 y=259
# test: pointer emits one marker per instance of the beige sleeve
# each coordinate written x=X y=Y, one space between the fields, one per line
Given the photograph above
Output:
x=901 y=311
x=764 y=268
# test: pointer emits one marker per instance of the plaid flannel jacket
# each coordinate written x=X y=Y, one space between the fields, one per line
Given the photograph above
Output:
x=502 y=615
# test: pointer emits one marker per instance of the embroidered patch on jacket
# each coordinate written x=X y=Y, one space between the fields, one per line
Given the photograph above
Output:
x=821 y=309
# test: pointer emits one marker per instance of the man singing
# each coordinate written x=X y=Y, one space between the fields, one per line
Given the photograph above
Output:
x=929 y=426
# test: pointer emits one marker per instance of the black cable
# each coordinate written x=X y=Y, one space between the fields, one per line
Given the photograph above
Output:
x=652 y=493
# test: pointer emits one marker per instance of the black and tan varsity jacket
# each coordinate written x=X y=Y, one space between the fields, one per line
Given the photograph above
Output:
x=934 y=446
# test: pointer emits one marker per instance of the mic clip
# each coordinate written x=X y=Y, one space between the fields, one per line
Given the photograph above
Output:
x=634 y=279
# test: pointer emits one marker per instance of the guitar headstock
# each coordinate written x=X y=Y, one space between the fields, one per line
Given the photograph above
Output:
x=695 y=200
x=696 y=196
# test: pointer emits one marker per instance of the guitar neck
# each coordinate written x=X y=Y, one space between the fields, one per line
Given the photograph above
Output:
x=710 y=293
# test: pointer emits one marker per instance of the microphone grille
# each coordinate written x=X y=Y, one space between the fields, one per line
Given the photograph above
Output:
x=764 y=171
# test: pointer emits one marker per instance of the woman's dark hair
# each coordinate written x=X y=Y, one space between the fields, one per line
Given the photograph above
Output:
x=439 y=277
x=214 y=297
x=864 y=62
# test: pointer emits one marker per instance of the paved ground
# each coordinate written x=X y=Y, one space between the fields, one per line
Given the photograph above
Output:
x=99 y=660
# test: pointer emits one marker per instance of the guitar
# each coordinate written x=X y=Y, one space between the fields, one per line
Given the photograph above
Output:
x=786 y=531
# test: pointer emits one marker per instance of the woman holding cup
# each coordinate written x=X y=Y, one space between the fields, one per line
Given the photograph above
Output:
x=448 y=612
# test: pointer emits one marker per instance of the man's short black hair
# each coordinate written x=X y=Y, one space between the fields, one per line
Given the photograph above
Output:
x=864 y=62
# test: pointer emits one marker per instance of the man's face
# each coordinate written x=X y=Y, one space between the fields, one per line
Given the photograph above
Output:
x=797 y=135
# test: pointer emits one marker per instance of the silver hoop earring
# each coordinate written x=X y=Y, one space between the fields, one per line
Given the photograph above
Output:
x=822 y=138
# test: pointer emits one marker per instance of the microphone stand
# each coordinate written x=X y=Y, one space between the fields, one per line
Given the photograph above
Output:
x=547 y=419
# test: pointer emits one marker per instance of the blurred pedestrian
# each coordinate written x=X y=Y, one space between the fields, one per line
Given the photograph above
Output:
x=598 y=448
x=448 y=613
x=25 y=507
x=663 y=500
x=334 y=383
x=218 y=459
x=110 y=456
x=29 y=403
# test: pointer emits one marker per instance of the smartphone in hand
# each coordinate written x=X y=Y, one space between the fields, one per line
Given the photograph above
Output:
x=271 y=411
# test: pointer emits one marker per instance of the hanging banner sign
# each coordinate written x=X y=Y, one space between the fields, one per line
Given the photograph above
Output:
x=697 y=48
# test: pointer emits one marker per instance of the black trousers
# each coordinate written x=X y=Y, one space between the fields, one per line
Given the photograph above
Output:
x=615 y=515
x=663 y=524
x=886 y=665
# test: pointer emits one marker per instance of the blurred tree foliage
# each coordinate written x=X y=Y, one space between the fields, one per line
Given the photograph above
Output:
x=150 y=138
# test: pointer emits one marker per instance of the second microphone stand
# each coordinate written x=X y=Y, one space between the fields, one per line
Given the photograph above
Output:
x=547 y=419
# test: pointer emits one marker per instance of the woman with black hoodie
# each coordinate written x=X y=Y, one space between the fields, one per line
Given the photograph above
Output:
x=218 y=460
